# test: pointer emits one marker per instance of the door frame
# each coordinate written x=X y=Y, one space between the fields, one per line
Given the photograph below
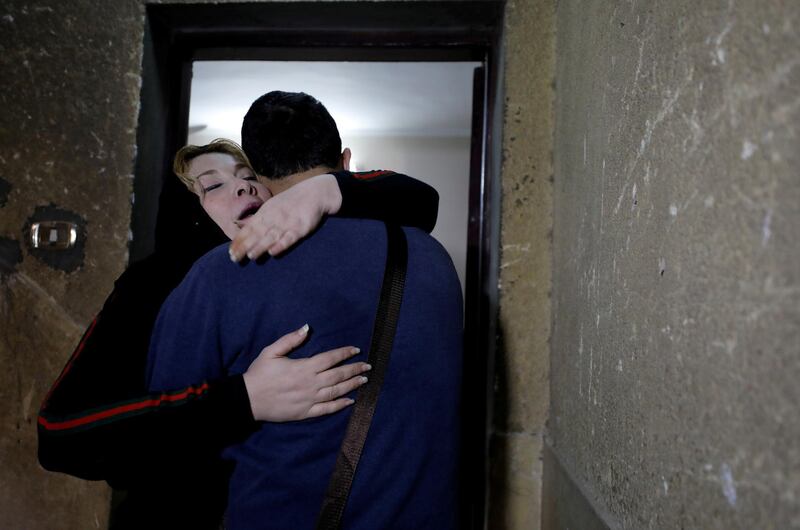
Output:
x=177 y=35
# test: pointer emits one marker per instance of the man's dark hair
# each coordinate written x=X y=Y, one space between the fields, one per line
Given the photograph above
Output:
x=289 y=132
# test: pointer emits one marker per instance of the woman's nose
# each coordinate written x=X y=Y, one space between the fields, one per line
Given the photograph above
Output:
x=245 y=187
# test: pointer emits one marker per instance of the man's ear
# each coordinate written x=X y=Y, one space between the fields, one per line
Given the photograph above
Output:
x=346 y=156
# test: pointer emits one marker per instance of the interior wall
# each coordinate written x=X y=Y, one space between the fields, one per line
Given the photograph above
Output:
x=70 y=89
x=521 y=398
x=676 y=306
x=442 y=162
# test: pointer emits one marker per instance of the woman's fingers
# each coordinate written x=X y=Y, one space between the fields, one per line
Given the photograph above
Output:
x=337 y=375
x=330 y=398
x=241 y=244
x=254 y=244
x=289 y=238
x=260 y=233
x=329 y=393
x=259 y=247
x=284 y=345
x=329 y=407
x=285 y=389
x=325 y=360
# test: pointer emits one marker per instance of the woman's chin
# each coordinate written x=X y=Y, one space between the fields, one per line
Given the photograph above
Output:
x=232 y=231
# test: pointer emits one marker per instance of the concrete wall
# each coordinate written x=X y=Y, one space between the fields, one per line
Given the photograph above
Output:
x=69 y=92
x=521 y=391
x=676 y=314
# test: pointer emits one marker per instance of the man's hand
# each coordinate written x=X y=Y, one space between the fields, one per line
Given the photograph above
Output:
x=283 y=389
x=288 y=217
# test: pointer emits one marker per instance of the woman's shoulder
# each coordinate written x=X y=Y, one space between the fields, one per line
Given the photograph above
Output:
x=158 y=272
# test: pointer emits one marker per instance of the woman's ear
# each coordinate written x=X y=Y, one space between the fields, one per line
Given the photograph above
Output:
x=346 y=156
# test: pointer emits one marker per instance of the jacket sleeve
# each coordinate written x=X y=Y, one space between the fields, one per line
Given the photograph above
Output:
x=99 y=422
x=388 y=196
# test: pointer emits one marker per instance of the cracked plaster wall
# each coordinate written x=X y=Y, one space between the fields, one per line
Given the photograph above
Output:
x=676 y=281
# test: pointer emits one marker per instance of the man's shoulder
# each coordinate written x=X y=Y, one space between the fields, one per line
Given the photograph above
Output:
x=338 y=235
x=371 y=234
x=342 y=234
x=346 y=226
x=352 y=227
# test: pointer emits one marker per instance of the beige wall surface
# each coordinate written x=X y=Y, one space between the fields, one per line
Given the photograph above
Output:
x=521 y=398
x=70 y=90
x=676 y=282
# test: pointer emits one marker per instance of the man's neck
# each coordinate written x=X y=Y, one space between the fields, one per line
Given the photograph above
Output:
x=280 y=185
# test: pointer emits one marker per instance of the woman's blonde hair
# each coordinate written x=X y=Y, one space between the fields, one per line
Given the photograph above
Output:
x=185 y=155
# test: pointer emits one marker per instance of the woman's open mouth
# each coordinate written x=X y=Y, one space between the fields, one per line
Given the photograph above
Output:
x=249 y=211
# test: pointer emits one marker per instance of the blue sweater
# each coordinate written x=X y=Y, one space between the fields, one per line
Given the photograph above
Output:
x=218 y=320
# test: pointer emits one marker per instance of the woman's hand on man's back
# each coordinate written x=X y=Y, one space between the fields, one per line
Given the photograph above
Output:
x=287 y=218
x=284 y=389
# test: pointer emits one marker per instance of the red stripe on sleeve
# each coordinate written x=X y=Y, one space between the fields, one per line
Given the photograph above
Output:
x=122 y=409
x=366 y=175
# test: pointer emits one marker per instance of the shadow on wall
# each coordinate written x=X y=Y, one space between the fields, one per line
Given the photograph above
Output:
x=499 y=459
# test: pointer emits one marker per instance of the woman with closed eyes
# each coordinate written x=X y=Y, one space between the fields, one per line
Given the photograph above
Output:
x=99 y=423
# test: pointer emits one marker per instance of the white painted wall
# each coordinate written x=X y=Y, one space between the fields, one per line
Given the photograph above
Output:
x=442 y=162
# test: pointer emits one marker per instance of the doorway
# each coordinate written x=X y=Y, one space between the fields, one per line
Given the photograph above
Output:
x=180 y=38
x=410 y=117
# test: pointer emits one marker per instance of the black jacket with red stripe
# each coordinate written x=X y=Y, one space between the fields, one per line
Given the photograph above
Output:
x=99 y=423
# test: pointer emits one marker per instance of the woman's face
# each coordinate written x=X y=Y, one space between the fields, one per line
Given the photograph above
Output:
x=228 y=190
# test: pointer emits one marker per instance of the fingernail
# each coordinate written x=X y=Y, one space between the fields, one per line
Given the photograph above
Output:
x=350 y=401
x=355 y=351
x=232 y=255
x=367 y=367
x=304 y=329
x=363 y=379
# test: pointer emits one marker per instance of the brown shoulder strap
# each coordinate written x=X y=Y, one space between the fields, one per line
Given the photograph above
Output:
x=367 y=398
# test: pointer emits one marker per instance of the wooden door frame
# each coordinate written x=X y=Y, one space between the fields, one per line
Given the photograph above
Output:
x=176 y=35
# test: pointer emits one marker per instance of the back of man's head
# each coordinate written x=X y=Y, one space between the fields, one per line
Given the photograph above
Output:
x=289 y=132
